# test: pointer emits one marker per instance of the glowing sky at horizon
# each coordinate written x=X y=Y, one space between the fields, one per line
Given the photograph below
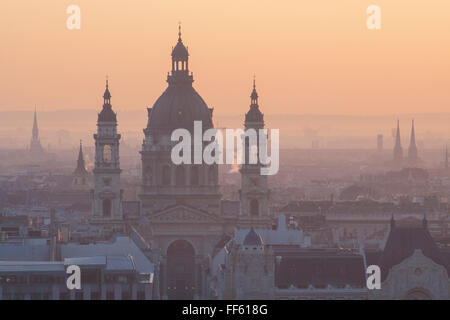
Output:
x=313 y=57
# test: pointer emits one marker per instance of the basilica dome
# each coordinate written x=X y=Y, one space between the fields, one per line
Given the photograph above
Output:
x=179 y=105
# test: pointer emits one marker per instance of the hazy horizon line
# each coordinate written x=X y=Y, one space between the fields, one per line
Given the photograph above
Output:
x=237 y=114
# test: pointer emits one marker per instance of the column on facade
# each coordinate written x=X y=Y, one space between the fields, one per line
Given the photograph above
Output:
x=117 y=291
x=134 y=291
x=164 y=280
x=87 y=292
x=196 y=282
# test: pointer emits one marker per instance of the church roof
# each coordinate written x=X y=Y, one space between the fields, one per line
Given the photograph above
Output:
x=107 y=114
x=180 y=52
x=402 y=242
x=254 y=114
x=253 y=239
x=179 y=105
x=319 y=268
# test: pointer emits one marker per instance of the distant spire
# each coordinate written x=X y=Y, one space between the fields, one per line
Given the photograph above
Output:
x=35 y=126
x=398 y=150
x=424 y=221
x=446 y=157
x=81 y=166
x=412 y=150
x=107 y=94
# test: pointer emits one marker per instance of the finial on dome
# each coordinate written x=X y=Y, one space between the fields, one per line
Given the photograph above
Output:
x=179 y=31
x=254 y=95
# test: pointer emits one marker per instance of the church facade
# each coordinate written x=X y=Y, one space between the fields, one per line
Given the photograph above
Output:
x=184 y=216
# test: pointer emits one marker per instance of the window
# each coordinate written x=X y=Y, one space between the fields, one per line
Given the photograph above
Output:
x=165 y=176
x=194 y=176
x=254 y=207
x=180 y=176
x=107 y=154
x=148 y=175
x=107 y=208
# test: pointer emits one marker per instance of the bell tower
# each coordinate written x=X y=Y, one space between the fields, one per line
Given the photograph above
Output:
x=107 y=195
x=254 y=193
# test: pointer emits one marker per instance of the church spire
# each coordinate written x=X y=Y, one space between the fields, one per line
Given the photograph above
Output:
x=81 y=166
x=446 y=157
x=180 y=63
x=254 y=114
x=107 y=114
x=35 y=132
x=412 y=150
x=398 y=150
x=254 y=95
x=107 y=94
x=35 y=143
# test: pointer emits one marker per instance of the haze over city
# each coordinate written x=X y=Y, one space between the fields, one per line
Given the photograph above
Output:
x=113 y=182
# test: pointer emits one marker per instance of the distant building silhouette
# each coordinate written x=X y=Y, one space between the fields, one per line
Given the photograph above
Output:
x=446 y=158
x=80 y=175
x=380 y=143
x=398 y=150
x=412 y=150
x=36 y=149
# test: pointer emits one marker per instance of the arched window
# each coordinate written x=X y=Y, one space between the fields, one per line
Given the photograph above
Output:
x=194 y=176
x=180 y=176
x=107 y=208
x=165 y=176
x=107 y=153
x=148 y=175
x=254 y=207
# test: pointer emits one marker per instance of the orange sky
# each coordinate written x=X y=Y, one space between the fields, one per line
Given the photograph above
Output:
x=309 y=56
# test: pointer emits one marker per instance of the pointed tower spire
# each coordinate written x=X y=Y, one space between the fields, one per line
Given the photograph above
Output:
x=254 y=95
x=107 y=114
x=412 y=150
x=424 y=221
x=35 y=143
x=398 y=150
x=254 y=114
x=81 y=166
x=35 y=132
x=446 y=157
x=180 y=63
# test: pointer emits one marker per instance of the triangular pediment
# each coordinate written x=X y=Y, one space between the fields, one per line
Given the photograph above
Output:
x=183 y=214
